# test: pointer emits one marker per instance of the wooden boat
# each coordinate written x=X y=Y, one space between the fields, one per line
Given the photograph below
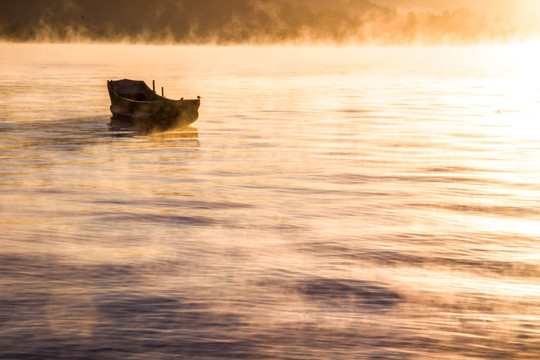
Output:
x=135 y=103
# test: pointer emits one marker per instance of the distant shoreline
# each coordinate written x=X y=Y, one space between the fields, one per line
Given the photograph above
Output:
x=248 y=22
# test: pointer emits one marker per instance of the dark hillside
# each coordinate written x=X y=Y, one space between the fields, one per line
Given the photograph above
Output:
x=237 y=22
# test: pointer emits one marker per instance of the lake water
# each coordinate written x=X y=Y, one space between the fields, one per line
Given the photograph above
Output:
x=329 y=203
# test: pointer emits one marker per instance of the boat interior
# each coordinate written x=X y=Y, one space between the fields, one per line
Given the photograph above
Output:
x=133 y=90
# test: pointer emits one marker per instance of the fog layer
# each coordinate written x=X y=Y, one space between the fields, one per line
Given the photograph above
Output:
x=245 y=21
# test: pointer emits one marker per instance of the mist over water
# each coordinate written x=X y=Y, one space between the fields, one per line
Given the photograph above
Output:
x=263 y=22
x=329 y=203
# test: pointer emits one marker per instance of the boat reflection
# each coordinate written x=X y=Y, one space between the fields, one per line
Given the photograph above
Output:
x=123 y=126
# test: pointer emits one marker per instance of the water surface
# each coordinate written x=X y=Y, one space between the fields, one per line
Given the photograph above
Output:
x=329 y=203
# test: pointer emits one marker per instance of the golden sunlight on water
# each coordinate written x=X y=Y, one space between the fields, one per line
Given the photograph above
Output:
x=344 y=203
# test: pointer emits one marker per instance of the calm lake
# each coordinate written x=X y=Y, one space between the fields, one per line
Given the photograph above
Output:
x=329 y=203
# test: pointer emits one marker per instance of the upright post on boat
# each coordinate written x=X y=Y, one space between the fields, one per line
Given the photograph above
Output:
x=162 y=91
x=154 y=85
